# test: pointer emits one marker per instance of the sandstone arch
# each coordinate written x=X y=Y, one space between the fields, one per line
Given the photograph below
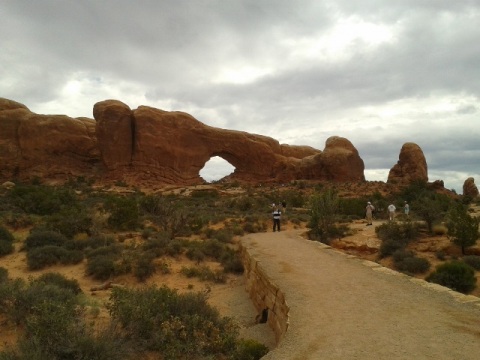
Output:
x=151 y=147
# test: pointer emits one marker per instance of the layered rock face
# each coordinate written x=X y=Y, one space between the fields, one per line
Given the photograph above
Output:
x=53 y=146
x=173 y=147
x=151 y=147
x=469 y=188
x=410 y=167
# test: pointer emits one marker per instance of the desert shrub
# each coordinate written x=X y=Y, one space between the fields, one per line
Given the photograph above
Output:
x=6 y=235
x=472 y=260
x=90 y=243
x=462 y=228
x=144 y=267
x=195 y=253
x=413 y=265
x=157 y=245
x=248 y=349
x=3 y=275
x=455 y=275
x=404 y=232
x=205 y=194
x=39 y=238
x=17 y=220
x=388 y=247
x=100 y=267
x=253 y=227
x=176 y=325
x=61 y=281
x=323 y=215
x=124 y=213
x=232 y=262
x=203 y=273
x=107 y=251
x=440 y=255
x=53 y=328
x=352 y=207
x=174 y=248
x=213 y=248
x=41 y=257
x=6 y=247
x=69 y=222
x=41 y=200
x=224 y=235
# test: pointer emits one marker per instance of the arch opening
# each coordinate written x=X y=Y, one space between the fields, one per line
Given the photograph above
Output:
x=216 y=169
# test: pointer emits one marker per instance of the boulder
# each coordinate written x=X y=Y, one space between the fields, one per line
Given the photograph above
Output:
x=410 y=167
x=469 y=188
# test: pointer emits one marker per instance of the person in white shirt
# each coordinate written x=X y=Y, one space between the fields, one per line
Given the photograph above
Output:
x=391 y=212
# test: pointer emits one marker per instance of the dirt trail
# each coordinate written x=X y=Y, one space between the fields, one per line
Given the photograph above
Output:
x=343 y=307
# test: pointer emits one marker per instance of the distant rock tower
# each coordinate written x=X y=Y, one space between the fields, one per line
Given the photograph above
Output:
x=410 y=167
x=469 y=188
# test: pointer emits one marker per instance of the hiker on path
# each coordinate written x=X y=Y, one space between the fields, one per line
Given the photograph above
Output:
x=406 y=208
x=369 y=212
x=276 y=219
x=391 y=212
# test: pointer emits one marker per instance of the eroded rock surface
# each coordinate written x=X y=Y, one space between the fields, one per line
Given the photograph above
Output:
x=469 y=188
x=151 y=147
x=410 y=167
x=52 y=146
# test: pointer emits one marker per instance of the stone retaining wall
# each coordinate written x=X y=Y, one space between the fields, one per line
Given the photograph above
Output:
x=267 y=298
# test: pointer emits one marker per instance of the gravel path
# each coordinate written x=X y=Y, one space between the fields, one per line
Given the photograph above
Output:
x=342 y=307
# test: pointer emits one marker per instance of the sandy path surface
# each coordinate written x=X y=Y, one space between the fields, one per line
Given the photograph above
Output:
x=342 y=307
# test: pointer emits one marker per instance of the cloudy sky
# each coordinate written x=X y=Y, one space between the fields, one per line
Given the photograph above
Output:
x=379 y=73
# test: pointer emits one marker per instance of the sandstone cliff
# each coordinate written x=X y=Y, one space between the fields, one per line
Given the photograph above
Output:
x=152 y=147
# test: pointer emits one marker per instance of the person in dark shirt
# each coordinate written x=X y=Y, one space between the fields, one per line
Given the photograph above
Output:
x=276 y=219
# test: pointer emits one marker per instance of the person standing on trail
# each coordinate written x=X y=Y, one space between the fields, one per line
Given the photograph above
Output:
x=276 y=219
x=391 y=212
x=369 y=212
x=406 y=208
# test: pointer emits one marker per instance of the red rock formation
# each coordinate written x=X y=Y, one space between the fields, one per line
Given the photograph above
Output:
x=53 y=146
x=469 y=188
x=151 y=147
x=410 y=167
x=173 y=147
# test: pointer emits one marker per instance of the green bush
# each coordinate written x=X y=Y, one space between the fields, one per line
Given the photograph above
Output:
x=388 y=247
x=413 y=265
x=39 y=238
x=61 y=281
x=6 y=235
x=472 y=260
x=124 y=213
x=203 y=273
x=455 y=275
x=3 y=275
x=100 y=267
x=6 y=247
x=41 y=200
x=179 y=326
x=69 y=222
x=144 y=267
x=404 y=232
x=232 y=262
x=41 y=257
x=248 y=349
